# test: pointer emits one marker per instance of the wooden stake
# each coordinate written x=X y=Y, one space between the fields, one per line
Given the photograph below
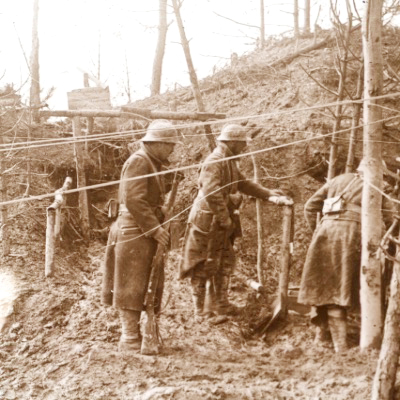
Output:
x=286 y=256
x=53 y=226
x=50 y=241
x=260 y=229
x=81 y=179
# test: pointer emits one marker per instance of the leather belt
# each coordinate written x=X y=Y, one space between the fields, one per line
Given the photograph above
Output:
x=352 y=207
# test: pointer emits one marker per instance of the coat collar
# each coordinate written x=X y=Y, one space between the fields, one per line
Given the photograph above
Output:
x=223 y=149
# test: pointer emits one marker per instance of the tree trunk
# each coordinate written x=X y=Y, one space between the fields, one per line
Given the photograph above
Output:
x=307 y=11
x=3 y=209
x=192 y=72
x=296 y=19
x=355 y=122
x=370 y=293
x=262 y=25
x=385 y=375
x=260 y=229
x=160 y=50
x=35 y=78
x=81 y=178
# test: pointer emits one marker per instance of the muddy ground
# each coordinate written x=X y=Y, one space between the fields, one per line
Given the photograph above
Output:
x=58 y=342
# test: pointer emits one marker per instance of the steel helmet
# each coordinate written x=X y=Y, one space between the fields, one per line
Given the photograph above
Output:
x=233 y=132
x=161 y=130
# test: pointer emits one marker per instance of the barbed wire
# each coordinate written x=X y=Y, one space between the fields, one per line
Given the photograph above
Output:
x=83 y=138
x=182 y=168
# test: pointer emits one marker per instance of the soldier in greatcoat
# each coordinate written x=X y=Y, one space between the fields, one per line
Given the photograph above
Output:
x=134 y=236
x=331 y=274
x=214 y=220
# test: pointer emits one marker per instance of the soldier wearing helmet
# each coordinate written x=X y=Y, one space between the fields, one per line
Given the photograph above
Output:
x=214 y=221
x=133 y=237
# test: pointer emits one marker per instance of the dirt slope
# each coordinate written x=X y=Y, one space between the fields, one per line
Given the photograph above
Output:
x=58 y=342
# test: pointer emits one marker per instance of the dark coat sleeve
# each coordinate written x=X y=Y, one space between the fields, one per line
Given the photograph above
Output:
x=210 y=179
x=314 y=205
x=252 y=188
x=135 y=195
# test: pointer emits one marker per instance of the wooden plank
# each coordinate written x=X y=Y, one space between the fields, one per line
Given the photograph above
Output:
x=129 y=112
x=90 y=98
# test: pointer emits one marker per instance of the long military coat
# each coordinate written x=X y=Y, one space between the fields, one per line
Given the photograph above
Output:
x=331 y=271
x=218 y=185
x=131 y=247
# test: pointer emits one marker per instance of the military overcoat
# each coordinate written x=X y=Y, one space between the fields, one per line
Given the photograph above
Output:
x=131 y=247
x=217 y=200
x=331 y=272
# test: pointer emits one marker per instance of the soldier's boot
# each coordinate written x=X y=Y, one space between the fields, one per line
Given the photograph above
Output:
x=131 y=339
x=322 y=334
x=198 y=296
x=221 y=290
x=338 y=327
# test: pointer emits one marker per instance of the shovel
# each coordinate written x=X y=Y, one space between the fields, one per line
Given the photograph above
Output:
x=281 y=307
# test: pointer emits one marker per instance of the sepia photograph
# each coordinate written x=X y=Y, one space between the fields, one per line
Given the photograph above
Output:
x=199 y=199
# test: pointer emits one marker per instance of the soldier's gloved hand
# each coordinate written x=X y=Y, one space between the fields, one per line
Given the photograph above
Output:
x=162 y=236
x=227 y=224
x=281 y=200
x=276 y=192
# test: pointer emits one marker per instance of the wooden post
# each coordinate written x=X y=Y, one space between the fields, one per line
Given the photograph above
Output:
x=192 y=72
x=81 y=178
x=286 y=256
x=50 y=241
x=53 y=226
x=260 y=229
x=385 y=375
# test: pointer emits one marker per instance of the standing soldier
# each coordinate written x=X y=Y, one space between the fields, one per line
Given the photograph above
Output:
x=330 y=281
x=214 y=220
x=134 y=236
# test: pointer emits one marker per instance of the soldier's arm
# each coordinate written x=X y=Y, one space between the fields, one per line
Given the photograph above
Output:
x=210 y=180
x=314 y=205
x=135 y=196
x=254 y=189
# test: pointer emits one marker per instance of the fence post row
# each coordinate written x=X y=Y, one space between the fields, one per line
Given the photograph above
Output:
x=53 y=226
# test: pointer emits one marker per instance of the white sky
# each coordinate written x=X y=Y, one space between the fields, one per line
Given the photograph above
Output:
x=69 y=33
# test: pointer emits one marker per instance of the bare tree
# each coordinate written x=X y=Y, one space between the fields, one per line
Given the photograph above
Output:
x=371 y=316
x=160 y=50
x=296 y=19
x=34 y=64
x=342 y=71
x=192 y=73
x=262 y=24
x=307 y=11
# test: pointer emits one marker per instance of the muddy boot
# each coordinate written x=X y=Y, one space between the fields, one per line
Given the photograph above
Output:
x=322 y=334
x=198 y=296
x=221 y=289
x=131 y=339
x=338 y=327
